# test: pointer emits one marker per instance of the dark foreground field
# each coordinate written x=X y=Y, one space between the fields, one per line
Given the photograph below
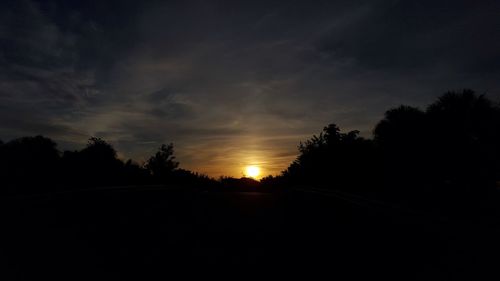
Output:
x=155 y=233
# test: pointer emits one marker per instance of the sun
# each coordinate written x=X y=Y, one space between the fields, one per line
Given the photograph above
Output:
x=252 y=171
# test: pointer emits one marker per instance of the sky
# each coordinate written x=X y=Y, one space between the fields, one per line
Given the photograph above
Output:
x=232 y=83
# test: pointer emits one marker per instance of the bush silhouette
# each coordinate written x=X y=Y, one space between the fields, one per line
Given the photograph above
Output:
x=334 y=159
x=453 y=144
x=466 y=138
x=29 y=161
x=402 y=140
x=134 y=174
x=162 y=164
x=95 y=165
x=450 y=150
x=33 y=164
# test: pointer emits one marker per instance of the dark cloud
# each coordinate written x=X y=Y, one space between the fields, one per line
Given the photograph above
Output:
x=409 y=35
x=232 y=82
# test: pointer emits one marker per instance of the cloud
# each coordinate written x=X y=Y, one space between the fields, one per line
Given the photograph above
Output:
x=411 y=36
x=232 y=83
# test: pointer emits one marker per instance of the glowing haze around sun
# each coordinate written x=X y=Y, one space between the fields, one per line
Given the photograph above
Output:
x=252 y=171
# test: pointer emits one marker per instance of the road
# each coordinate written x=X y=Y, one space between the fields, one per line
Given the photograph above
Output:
x=133 y=233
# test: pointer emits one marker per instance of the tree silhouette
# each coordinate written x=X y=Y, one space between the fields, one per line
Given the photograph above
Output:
x=95 y=165
x=28 y=161
x=134 y=174
x=466 y=138
x=402 y=138
x=99 y=150
x=333 y=160
x=33 y=164
x=450 y=149
x=162 y=164
x=401 y=125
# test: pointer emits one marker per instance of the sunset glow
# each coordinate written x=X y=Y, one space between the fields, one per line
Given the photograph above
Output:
x=252 y=171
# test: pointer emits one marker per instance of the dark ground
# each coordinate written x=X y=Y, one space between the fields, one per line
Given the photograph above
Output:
x=152 y=233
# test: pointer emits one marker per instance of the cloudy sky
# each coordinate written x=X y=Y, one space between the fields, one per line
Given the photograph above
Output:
x=232 y=83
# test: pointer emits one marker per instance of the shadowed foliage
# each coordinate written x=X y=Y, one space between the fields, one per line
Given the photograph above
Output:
x=334 y=160
x=465 y=144
x=447 y=153
x=34 y=165
x=29 y=161
x=401 y=138
x=162 y=164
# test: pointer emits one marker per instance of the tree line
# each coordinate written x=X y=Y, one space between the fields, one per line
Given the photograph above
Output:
x=449 y=151
x=34 y=164
x=450 y=147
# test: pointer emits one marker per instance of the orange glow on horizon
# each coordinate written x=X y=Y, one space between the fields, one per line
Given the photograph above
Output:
x=252 y=171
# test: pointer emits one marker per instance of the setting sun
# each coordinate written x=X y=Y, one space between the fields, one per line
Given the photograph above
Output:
x=252 y=171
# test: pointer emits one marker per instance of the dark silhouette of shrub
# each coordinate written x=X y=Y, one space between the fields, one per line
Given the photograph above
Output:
x=31 y=162
x=95 y=165
x=402 y=140
x=453 y=147
x=450 y=151
x=241 y=184
x=334 y=160
x=465 y=147
x=134 y=174
x=185 y=178
x=162 y=164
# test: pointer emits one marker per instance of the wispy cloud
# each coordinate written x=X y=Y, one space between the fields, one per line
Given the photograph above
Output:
x=232 y=83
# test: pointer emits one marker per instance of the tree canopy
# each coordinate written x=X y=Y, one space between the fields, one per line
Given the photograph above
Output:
x=451 y=146
x=163 y=163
